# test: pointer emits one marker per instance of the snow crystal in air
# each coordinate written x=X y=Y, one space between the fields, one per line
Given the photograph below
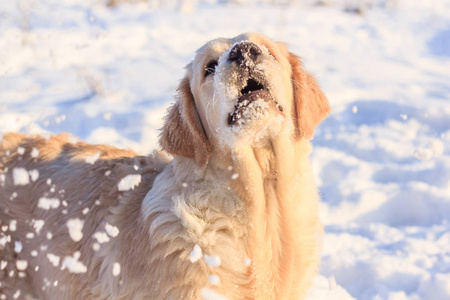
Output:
x=85 y=211
x=75 y=226
x=54 y=259
x=72 y=264
x=355 y=109
x=21 y=150
x=21 y=265
x=34 y=152
x=116 y=269
x=113 y=231
x=209 y=294
x=234 y=176
x=34 y=253
x=195 y=254
x=48 y=203
x=18 y=246
x=129 y=182
x=29 y=235
x=214 y=279
x=212 y=260
x=49 y=235
x=92 y=159
x=34 y=175
x=20 y=176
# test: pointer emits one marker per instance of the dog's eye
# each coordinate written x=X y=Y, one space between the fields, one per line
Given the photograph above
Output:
x=211 y=68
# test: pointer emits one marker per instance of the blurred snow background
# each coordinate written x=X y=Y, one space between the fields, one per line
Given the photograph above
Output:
x=382 y=159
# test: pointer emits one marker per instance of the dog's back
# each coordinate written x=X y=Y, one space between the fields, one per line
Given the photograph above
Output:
x=56 y=197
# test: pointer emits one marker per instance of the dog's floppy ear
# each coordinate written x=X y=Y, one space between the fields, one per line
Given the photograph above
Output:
x=311 y=105
x=183 y=133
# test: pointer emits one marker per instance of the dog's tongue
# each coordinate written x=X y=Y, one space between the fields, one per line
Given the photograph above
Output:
x=253 y=96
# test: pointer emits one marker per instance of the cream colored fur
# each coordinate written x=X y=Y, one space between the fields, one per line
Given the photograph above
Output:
x=244 y=193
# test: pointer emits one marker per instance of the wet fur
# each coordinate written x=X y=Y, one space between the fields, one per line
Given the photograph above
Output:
x=268 y=214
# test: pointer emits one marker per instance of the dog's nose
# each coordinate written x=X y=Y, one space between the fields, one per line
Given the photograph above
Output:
x=244 y=51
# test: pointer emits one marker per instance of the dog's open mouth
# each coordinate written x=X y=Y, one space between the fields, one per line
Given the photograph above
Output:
x=252 y=92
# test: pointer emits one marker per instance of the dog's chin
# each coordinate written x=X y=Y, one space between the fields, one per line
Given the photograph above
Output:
x=256 y=118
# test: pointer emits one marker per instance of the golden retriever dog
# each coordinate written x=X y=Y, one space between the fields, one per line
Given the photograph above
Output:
x=233 y=215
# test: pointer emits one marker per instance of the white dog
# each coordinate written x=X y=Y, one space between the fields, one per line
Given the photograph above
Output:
x=232 y=216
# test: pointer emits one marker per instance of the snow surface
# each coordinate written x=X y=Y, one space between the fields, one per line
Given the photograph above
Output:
x=381 y=160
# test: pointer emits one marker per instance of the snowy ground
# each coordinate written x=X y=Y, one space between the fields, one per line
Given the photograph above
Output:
x=382 y=159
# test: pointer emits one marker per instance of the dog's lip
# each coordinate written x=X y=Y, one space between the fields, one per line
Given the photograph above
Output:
x=245 y=100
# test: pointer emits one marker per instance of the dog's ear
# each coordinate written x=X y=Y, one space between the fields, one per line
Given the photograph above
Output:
x=311 y=105
x=183 y=133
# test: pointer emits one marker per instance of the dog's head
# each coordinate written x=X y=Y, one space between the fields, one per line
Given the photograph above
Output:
x=247 y=89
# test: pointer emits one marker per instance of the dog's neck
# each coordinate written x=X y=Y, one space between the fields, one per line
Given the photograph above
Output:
x=271 y=185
